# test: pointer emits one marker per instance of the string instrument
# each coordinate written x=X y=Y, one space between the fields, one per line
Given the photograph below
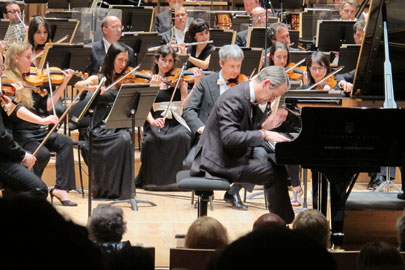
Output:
x=40 y=52
x=8 y=88
x=38 y=77
x=189 y=74
x=294 y=71
x=237 y=80
x=154 y=49
x=327 y=80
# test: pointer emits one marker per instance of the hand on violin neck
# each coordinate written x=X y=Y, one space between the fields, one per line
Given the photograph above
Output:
x=156 y=80
x=68 y=75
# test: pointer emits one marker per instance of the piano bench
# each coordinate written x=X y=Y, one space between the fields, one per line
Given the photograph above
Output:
x=371 y=216
x=202 y=187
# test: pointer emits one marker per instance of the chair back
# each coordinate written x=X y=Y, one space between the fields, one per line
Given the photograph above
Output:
x=189 y=258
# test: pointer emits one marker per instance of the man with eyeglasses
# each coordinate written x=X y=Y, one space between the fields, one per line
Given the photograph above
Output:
x=177 y=34
x=17 y=30
x=112 y=28
x=258 y=20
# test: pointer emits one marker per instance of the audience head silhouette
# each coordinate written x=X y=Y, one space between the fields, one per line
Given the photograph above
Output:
x=269 y=220
x=206 y=233
x=379 y=254
x=401 y=232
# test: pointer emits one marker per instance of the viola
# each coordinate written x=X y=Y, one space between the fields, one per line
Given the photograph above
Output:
x=38 y=77
x=237 y=80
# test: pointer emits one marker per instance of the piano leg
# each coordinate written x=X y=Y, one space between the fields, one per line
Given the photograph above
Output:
x=319 y=192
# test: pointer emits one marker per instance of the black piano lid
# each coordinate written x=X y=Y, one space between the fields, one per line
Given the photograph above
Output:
x=361 y=138
x=369 y=79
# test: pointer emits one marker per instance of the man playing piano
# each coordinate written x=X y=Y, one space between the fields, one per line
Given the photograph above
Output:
x=230 y=136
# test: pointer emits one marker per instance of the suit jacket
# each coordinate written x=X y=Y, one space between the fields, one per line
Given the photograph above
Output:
x=163 y=22
x=241 y=38
x=201 y=102
x=348 y=76
x=229 y=136
x=166 y=37
x=98 y=54
x=9 y=149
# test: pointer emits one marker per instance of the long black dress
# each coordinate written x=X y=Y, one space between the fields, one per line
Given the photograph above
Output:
x=112 y=155
x=163 y=150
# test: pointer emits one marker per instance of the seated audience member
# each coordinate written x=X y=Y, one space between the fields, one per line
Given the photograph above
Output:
x=273 y=248
x=206 y=233
x=313 y=224
x=258 y=20
x=36 y=236
x=376 y=255
x=269 y=221
x=163 y=21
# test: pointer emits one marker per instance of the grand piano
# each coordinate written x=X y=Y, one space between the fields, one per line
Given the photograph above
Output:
x=342 y=142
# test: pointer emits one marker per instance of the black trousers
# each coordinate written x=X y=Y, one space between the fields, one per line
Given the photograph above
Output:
x=63 y=146
x=16 y=178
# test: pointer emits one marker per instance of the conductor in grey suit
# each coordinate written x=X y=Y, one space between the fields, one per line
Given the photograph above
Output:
x=202 y=100
x=112 y=29
x=230 y=135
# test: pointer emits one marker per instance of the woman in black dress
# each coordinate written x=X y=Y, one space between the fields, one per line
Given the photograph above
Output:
x=167 y=140
x=30 y=118
x=112 y=155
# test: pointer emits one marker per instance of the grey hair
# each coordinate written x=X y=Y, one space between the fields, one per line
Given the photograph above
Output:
x=231 y=51
x=350 y=2
x=360 y=24
x=275 y=74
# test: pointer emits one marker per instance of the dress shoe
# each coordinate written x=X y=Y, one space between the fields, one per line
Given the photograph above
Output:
x=235 y=201
x=401 y=196
x=375 y=182
x=64 y=203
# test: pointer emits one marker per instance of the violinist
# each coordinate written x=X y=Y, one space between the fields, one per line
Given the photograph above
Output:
x=112 y=155
x=278 y=55
x=15 y=162
x=318 y=65
x=31 y=115
x=203 y=99
x=199 y=54
x=167 y=139
x=17 y=29
x=38 y=35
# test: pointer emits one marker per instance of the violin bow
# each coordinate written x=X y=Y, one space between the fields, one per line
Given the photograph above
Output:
x=57 y=42
x=74 y=102
x=296 y=65
x=50 y=88
x=326 y=77
x=123 y=77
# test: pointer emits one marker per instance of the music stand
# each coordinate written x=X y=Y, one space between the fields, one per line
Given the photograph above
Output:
x=67 y=4
x=61 y=27
x=62 y=14
x=140 y=42
x=348 y=55
x=239 y=20
x=251 y=60
x=4 y=24
x=255 y=38
x=131 y=107
x=296 y=56
x=331 y=34
x=222 y=37
x=136 y=18
x=286 y=4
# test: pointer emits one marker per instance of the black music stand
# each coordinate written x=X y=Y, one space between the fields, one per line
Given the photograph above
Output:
x=255 y=37
x=140 y=42
x=61 y=27
x=251 y=60
x=68 y=4
x=131 y=107
x=136 y=18
x=348 y=55
x=222 y=37
x=331 y=34
x=296 y=56
x=4 y=24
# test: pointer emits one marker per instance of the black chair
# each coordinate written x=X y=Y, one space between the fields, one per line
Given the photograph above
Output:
x=202 y=187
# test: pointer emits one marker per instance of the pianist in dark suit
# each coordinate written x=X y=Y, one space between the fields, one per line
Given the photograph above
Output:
x=230 y=136
x=258 y=20
x=163 y=21
x=112 y=28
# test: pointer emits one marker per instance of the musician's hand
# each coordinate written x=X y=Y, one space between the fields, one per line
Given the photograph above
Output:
x=327 y=87
x=92 y=88
x=3 y=46
x=198 y=74
x=28 y=161
x=68 y=75
x=346 y=86
x=156 y=80
x=275 y=136
x=305 y=79
x=18 y=86
x=102 y=90
x=275 y=119
x=7 y=105
x=201 y=130
x=182 y=48
x=49 y=120
x=159 y=122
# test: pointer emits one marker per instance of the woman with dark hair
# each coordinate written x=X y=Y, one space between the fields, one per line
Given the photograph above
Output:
x=38 y=33
x=318 y=65
x=112 y=155
x=167 y=140
x=199 y=54
x=279 y=55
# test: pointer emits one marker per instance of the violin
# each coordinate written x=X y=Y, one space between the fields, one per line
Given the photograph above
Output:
x=8 y=88
x=237 y=80
x=329 y=81
x=295 y=73
x=38 y=77
x=189 y=74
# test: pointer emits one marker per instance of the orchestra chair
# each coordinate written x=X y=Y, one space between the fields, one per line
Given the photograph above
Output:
x=202 y=187
x=190 y=258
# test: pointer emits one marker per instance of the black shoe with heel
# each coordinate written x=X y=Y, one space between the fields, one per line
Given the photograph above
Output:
x=64 y=203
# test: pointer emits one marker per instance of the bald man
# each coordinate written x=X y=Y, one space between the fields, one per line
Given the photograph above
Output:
x=269 y=221
x=250 y=5
x=258 y=15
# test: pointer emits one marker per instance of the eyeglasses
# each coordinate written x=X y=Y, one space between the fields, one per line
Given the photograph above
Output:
x=317 y=68
x=14 y=11
x=116 y=27
x=258 y=16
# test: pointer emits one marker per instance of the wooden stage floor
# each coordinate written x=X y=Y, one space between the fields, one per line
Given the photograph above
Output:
x=157 y=226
